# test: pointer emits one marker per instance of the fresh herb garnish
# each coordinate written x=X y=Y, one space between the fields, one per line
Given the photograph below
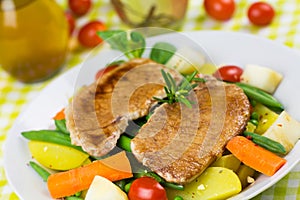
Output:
x=132 y=44
x=162 y=52
x=178 y=93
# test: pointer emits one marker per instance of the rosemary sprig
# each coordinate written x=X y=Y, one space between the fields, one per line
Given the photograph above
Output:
x=178 y=93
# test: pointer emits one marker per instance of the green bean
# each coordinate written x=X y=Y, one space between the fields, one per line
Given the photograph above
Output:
x=61 y=125
x=159 y=179
x=149 y=174
x=172 y=185
x=41 y=171
x=127 y=187
x=124 y=142
x=51 y=136
x=78 y=194
x=73 y=198
x=140 y=121
x=266 y=143
x=261 y=96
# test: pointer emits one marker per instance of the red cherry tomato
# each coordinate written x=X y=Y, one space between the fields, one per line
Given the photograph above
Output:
x=80 y=7
x=229 y=73
x=71 y=22
x=261 y=13
x=146 y=188
x=87 y=35
x=105 y=70
x=219 y=9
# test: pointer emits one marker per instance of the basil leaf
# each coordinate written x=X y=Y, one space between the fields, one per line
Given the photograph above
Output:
x=136 y=45
x=132 y=44
x=162 y=52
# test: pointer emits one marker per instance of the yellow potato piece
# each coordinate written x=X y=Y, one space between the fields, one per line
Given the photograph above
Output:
x=244 y=173
x=228 y=161
x=55 y=156
x=266 y=118
x=213 y=183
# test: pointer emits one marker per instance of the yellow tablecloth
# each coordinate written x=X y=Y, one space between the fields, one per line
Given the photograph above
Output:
x=285 y=29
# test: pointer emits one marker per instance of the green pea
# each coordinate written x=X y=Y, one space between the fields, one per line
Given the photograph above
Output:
x=254 y=121
x=127 y=187
x=254 y=115
x=178 y=198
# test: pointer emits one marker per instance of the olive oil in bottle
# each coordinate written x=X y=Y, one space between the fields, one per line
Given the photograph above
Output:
x=33 y=38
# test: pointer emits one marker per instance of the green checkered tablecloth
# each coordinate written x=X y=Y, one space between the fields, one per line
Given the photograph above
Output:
x=285 y=29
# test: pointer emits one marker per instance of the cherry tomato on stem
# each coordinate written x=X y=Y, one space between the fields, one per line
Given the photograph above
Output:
x=87 y=35
x=80 y=7
x=221 y=10
x=146 y=188
x=261 y=13
x=229 y=73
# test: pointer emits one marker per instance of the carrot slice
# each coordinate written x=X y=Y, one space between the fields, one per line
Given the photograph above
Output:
x=60 y=115
x=67 y=183
x=255 y=156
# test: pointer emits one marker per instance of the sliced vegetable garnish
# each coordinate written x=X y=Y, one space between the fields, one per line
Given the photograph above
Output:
x=265 y=142
x=162 y=52
x=132 y=44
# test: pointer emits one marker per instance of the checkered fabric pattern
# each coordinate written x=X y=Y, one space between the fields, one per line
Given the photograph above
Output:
x=285 y=29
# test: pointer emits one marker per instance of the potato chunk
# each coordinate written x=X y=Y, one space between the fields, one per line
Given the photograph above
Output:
x=261 y=77
x=284 y=130
x=213 y=183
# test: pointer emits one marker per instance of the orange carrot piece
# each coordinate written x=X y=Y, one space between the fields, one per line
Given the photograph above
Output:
x=60 y=115
x=255 y=156
x=67 y=183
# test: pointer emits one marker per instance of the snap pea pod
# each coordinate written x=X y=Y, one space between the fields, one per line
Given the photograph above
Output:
x=41 y=171
x=61 y=126
x=261 y=96
x=73 y=198
x=266 y=143
x=172 y=185
x=52 y=136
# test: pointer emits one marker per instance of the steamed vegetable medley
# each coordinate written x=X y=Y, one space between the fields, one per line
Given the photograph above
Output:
x=270 y=134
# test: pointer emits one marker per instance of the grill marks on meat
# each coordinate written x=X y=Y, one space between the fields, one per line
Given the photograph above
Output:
x=100 y=112
x=179 y=143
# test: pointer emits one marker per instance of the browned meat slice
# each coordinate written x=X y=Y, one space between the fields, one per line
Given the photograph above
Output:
x=179 y=143
x=99 y=113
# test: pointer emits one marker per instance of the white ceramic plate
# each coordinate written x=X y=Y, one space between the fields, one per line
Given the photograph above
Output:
x=223 y=47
